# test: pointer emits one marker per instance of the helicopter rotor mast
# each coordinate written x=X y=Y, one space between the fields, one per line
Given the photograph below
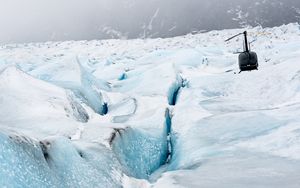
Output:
x=245 y=39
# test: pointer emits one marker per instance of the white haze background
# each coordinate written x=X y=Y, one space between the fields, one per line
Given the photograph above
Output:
x=44 y=20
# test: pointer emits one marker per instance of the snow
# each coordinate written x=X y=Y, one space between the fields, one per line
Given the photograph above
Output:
x=42 y=108
x=151 y=113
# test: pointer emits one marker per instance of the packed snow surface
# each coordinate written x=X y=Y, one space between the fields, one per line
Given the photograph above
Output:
x=151 y=113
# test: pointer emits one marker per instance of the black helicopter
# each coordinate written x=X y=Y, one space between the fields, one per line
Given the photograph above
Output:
x=247 y=59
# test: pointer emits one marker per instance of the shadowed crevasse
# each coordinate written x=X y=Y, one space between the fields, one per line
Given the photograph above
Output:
x=143 y=152
x=174 y=90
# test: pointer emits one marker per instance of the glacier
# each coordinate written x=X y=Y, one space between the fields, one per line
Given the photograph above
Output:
x=170 y=112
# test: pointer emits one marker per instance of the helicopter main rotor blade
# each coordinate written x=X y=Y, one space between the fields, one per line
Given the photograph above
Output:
x=234 y=37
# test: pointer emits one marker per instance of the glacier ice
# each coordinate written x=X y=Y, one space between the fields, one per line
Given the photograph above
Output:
x=140 y=152
x=151 y=113
x=25 y=98
x=56 y=162
x=23 y=164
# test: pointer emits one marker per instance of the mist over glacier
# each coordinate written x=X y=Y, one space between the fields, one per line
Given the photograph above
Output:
x=60 y=20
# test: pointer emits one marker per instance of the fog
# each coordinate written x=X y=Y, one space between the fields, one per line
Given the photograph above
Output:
x=53 y=20
x=41 y=20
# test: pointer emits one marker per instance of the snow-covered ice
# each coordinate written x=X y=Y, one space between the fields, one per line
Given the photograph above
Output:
x=151 y=113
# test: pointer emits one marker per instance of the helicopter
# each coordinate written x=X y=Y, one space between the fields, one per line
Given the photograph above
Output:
x=247 y=59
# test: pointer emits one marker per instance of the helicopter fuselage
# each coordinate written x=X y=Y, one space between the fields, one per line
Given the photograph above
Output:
x=248 y=61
